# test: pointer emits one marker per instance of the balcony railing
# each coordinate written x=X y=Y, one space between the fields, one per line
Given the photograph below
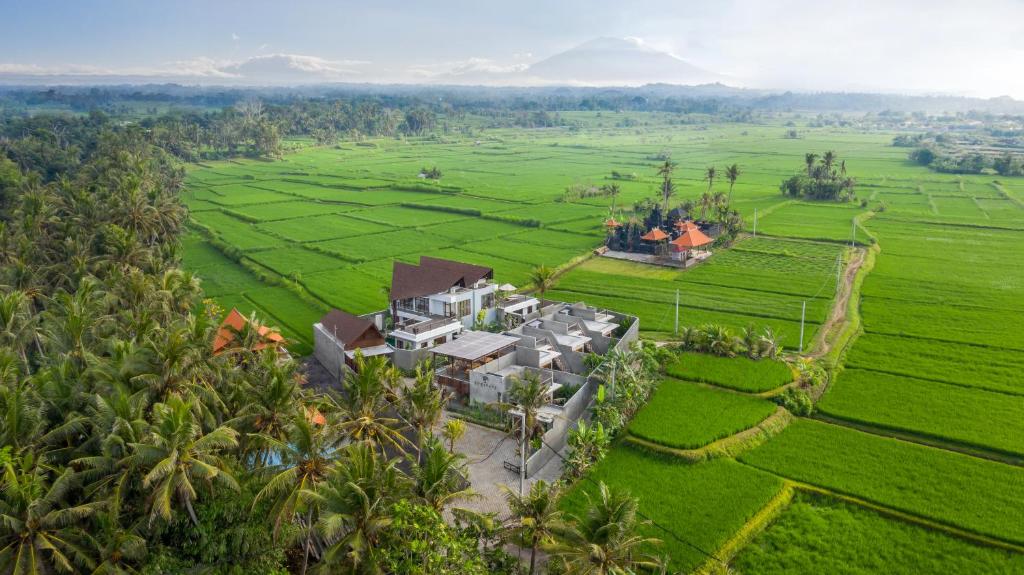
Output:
x=426 y=325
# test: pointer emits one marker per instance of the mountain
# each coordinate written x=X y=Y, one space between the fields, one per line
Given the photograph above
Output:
x=617 y=61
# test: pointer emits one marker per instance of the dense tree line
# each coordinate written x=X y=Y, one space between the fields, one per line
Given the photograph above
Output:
x=127 y=445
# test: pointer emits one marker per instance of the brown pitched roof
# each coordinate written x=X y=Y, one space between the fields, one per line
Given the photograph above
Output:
x=433 y=275
x=347 y=327
x=234 y=323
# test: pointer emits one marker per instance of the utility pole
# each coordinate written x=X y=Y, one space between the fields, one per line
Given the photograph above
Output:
x=853 y=233
x=755 y=222
x=839 y=271
x=803 y=314
x=522 y=453
x=677 y=312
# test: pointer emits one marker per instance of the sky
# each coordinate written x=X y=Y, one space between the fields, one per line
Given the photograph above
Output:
x=964 y=47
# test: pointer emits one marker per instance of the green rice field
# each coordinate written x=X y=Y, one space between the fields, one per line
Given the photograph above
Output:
x=925 y=418
x=689 y=415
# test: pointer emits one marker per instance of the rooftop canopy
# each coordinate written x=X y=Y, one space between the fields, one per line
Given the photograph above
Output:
x=473 y=345
x=611 y=223
x=655 y=235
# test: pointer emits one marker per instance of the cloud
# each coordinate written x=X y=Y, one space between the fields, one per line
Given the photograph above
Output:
x=269 y=69
x=235 y=37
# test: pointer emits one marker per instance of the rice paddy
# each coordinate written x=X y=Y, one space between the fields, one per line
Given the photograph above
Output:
x=938 y=362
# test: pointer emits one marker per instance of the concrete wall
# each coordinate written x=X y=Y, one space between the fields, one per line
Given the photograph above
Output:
x=328 y=351
x=408 y=358
x=555 y=438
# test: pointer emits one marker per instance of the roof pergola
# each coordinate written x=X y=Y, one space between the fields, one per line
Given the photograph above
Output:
x=475 y=345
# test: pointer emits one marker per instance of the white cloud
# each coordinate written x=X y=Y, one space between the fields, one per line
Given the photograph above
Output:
x=235 y=37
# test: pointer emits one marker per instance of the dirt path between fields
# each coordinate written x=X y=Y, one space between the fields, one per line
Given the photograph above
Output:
x=837 y=316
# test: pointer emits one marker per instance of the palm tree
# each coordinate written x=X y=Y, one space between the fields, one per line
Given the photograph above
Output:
x=453 y=431
x=535 y=516
x=528 y=395
x=421 y=404
x=668 y=189
x=305 y=458
x=612 y=190
x=603 y=540
x=268 y=407
x=177 y=454
x=354 y=503
x=542 y=277
x=40 y=531
x=442 y=476
x=732 y=173
x=706 y=202
x=828 y=160
x=709 y=176
x=810 y=158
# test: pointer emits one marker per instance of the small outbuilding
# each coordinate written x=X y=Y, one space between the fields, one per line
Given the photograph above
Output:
x=233 y=334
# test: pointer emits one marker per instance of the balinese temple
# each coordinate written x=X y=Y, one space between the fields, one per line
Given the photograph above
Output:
x=689 y=239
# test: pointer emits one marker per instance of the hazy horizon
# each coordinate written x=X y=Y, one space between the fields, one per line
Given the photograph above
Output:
x=914 y=47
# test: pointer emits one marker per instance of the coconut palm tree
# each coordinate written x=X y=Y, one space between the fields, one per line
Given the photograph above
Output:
x=707 y=201
x=453 y=431
x=40 y=532
x=810 y=158
x=542 y=276
x=353 y=503
x=535 y=516
x=828 y=160
x=441 y=476
x=176 y=454
x=709 y=176
x=603 y=540
x=305 y=458
x=667 y=189
x=421 y=404
x=732 y=173
x=612 y=190
x=527 y=395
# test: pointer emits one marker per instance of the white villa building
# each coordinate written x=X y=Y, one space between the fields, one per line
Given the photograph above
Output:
x=434 y=301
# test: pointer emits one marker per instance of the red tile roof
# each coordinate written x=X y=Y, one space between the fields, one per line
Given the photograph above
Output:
x=691 y=238
x=654 y=235
x=433 y=275
x=234 y=323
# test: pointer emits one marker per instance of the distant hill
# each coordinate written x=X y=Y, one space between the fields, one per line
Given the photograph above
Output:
x=617 y=61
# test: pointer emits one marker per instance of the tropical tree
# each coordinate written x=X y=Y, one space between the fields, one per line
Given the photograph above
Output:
x=422 y=403
x=354 y=504
x=667 y=189
x=534 y=518
x=732 y=173
x=40 y=532
x=542 y=276
x=176 y=454
x=528 y=395
x=305 y=457
x=810 y=159
x=453 y=431
x=613 y=191
x=603 y=540
x=828 y=160
x=441 y=476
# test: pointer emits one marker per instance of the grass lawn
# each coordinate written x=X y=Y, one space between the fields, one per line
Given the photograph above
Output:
x=689 y=415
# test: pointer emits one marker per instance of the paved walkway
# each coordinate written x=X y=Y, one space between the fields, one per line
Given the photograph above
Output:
x=651 y=259
x=486 y=450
